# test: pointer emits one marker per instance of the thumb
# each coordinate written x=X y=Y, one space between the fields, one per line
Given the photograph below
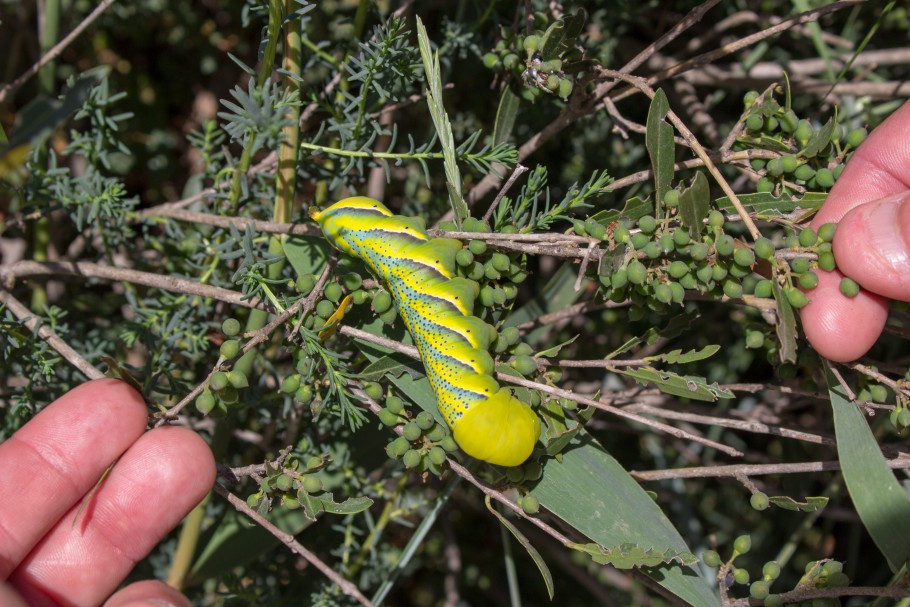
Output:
x=872 y=246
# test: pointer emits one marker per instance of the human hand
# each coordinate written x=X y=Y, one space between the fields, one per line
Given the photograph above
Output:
x=871 y=204
x=50 y=555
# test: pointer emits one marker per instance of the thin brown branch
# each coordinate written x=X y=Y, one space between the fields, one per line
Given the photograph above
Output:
x=85 y=269
x=54 y=52
x=47 y=334
x=288 y=540
x=517 y=172
x=223 y=221
x=733 y=470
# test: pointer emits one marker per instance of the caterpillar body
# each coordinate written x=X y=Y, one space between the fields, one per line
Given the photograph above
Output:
x=487 y=421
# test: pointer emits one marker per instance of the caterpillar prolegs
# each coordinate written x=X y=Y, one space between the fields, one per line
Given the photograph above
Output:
x=437 y=307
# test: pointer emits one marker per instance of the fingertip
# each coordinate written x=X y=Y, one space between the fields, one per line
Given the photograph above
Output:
x=148 y=593
x=842 y=328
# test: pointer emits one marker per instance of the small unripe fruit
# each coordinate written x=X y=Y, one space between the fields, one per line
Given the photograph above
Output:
x=742 y=544
x=759 y=590
x=312 y=484
x=856 y=137
x=637 y=272
x=333 y=292
x=425 y=421
x=804 y=172
x=771 y=570
x=373 y=390
x=397 y=447
x=305 y=283
x=230 y=348
x=464 y=258
x=525 y=365
x=764 y=249
x=388 y=418
x=808 y=280
x=755 y=122
x=741 y=576
x=744 y=257
x=411 y=459
x=807 y=237
x=382 y=301
x=477 y=247
x=412 y=431
x=325 y=308
x=238 y=379
x=304 y=394
x=647 y=224
x=530 y=504
x=795 y=297
x=711 y=558
x=437 y=456
x=849 y=287
x=219 y=381
x=205 y=402
x=824 y=178
x=759 y=501
x=826 y=232
x=230 y=327
x=716 y=219
x=763 y=288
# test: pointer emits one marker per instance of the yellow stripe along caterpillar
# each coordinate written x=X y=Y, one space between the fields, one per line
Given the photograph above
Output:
x=437 y=307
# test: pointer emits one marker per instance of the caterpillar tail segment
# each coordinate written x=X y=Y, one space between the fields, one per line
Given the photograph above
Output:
x=488 y=422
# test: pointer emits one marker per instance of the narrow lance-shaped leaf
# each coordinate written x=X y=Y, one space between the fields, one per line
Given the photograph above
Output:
x=661 y=148
x=879 y=499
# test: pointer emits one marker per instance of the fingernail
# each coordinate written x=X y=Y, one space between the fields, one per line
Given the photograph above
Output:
x=884 y=230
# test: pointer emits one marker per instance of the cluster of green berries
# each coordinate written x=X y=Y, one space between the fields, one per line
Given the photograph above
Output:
x=521 y=56
x=224 y=386
x=900 y=416
x=424 y=444
x=806 y=152
x=759 y=589
x=293 y=483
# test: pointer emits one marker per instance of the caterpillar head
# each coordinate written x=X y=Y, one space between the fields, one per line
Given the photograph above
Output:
x=501 y=430
x=345 y=216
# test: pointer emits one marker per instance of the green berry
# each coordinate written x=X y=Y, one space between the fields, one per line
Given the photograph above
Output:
x=394 y=404
x=764 y=249
x=826 y=232
x=771 y=124
x=666 y=243
x=533 y=471
x=775 y=167
x=733 y=289
x=773 y=600
x=449 y=444
x=230 y=327
x=500 y=262
x=397 y=447
x=205 y=402
x=824 y=178
x=515 y=474
x=411 y=459
x=681 y=236
x=437 y=456
x=305 y=283
x=764 y=185
x=855 y=137
x=477 y=247
x=490 y=60
x=807 y=237
x=879 y=393
x=352 y=281
x=740 y=576
x=771 y=571
x=725 y=245
x=795 y=297
x=716 y=219
x=229 y=349
x=803 y=132
x=808 y=280
x=325 y=308
x=647 y=224
x=678 y=291
x=759 y=590
x=425 y=421
x=742 y=544
x=382 y=301
x=238 y=379
x=789 y=121
x=525 y=365
x=804 y=172
x=565 y=89
x=333 y=292
x=826 y=261
x=789 y=163
x=229 y=395
x=530 y=504
x=639 y=240
x=283 y=482
x=388 y=418
x=490 y=271
x=711 y=558
x=678 y=269
x=831 y=567
x=219 y=381
x=652 y=250
x=312 y=484
x=759 y=501
x=849 y=287
x=663 y=293
x=637 y=272
x=671 y=199
x=304 y=394
x=799 y=265
x=412 y=431
x=620 y=278
x=838 y=579
x=531 y=43
x=744 y=256
x=373 y=390
x=290 y=384
x=699 y=251
x=763 y=288
x=755 y=122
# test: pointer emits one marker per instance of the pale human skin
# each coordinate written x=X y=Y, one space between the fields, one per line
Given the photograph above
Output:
x=51 y=556
x=871 y=205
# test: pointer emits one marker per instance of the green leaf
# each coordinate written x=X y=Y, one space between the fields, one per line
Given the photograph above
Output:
x=786 y=324
x=554 y=350
x=767 y=206
x=505 y=116
x=661 y=147
x=628 y=555
x=526 y=544
x=392 y=365
x=306 y=254
x=635 y=209
x=818 y=140
x=788 y=503
x=590 y=490
x=352 y=505
x=685 y=386
x=678 y=357
x=879 y=499
x=694 y=204
x=433 y=75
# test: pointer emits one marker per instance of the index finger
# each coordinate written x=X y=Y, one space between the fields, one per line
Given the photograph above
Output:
x=879 y=168
x=57 y=457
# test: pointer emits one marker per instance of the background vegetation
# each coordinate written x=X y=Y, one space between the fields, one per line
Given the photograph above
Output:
x=632 y=181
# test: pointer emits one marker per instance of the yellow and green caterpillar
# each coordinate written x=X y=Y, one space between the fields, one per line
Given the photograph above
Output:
x=488 y=422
